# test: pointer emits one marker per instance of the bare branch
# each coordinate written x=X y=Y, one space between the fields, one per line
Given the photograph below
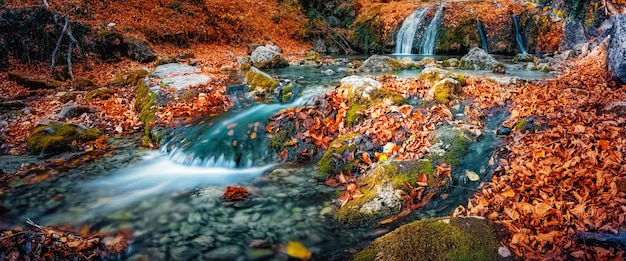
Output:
x=56 y=48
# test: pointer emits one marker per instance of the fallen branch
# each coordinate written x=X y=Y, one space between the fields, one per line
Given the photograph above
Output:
x=67 y=30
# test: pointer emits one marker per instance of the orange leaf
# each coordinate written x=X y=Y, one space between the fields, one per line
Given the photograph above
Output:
x=422 y=180
x=604 y=144
x=366 y=158
x=542 y=209
x=509 y=193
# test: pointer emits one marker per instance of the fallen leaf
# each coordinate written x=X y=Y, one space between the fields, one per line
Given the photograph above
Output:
x=509 y=193
x=297 y=250
x=422 y=180
x=472 y=176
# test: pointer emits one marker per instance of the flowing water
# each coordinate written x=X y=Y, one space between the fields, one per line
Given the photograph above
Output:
x=481 y=31
x=429 y=40
x=407 y=33
x=171 y=198
x=518 y=35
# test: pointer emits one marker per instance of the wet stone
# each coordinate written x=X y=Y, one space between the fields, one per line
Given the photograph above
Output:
x=183 y=253
x=255 y=217
x=226 y=253
x=222 y=238
x=503 y=131
x=194 y=217
x=204 y=241
x=259 y=254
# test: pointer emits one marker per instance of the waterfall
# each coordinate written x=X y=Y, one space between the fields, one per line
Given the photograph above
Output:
x=518 y=36
x=232 y=140
x=481 y=31
x=406 y=34
x=429 y=40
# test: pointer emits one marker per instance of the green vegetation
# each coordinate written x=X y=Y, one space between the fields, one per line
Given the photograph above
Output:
x=453 y=142
x=437 y=239
x=329 y=164
x=352 y=118
x=446 y=90
x=286 y=94
x=260 y=80
x=145 y=99
x=103 y=94
x=57 y=137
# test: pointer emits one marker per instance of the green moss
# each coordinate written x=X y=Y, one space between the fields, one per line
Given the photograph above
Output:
x=446 y=90
x=313 y=56
x=286 y=94
x=437 y=239
x=57 y=137
x=260 y=80
x=454 y=142
x=278 y=139
x=145 y=99
x=103 y=94
x=396 y=64
x=329 y=165
x=130 y=78
x=350 y=213
x=520 y=124
x=383 y=94
x=351 y=117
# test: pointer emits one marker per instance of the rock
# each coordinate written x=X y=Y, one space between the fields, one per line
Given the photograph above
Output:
x=617 y=49
x=110 y=45
x=12 y=105
x=101 y=93
x=452 y=62
x=165 y=70
x=328 y=72
x=84 y=84
x=313 y=56
x=358 y=86
x=619 y=108
x=75 y=110
x=57 y=137
x=523 y=57
x=503 y=131
x=446 y=90
x=266 y=57
x=478 y=59
x=140 y=51
x=428 y=60
x=573 y=36
x=319 y=45
x=385 y=202
x=380 y=63
x=244 y=62
x=260 y=81
x=433 y=75
x=31 y=82
x=464 y=238
x=259 y=254
x=226 y=253
x=183 y=253
x=178 y=76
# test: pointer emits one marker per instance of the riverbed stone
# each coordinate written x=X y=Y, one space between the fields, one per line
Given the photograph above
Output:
x=446 y=90
x=267 y=57
x=225 y=253
x=358 y=86
x=56 y=137
x=433 y=75
x=617 y=49
x=478 y=59
x=573 y=36
x=380 y=63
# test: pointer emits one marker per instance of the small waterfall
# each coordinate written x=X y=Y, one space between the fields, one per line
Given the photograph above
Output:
x=406 y=34
x=429 y=40
x=518 y=36
x=481 y=31
x=233 y=140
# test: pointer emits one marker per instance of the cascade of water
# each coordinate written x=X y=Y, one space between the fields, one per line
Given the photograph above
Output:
x=481 y=31
x=406 y=34
x=518 y=36
x=429 y=40
x=233 y=140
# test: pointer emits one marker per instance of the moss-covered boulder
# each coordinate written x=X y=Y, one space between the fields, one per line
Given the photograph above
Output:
x=433 y=75
x=478 y=59
x=451 y=63
x=450 y=144
x=31 y=82
x=446 y=90
x=110 y=44
x=260 y=81
x=101 y=93
x=244 y=62
x=445 y=238
x=334 y=160
x=57 y=137
x=523 y=57
x=139 y=50
x=84 y=84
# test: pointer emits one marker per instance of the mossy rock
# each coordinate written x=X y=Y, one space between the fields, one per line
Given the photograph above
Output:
x=446 y=90
x=433 y=75
x=449 y=145
x=131 y=78
x=84 y=84
x=330 y=164
x=428 y=60
x=57 y=137
x=31 y=82
x=451 y=63
x=478 y=59
x=110 y=45
x=313 y=56
x=102 y=94
x=259 y=80
x=523 y=57
x=287 y=93
x=445 y=238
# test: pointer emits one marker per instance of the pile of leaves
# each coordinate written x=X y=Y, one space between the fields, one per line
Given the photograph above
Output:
x=567 y=178
x=60 y=243
x=237 y=193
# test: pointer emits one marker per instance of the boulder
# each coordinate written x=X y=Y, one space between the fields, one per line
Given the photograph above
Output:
x=357 y=86
x=617 y=49
x=319 y=45
x=244 y=62
x=574 y=36
x=84 y=84
x=478 y=59
x=268 y=56
x=619 y=108
x=433 y=75
x=178 y=76
x=140 y=51
x=57 y=137
x=12 y=105
x=447 y=238
x=523 y=57
x=260 y=81
x=74 y=110
x=380 y=63
x=31 y=82
x=110 y=45
x=446 y=90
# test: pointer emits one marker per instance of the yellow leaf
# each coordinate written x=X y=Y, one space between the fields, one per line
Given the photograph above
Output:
x=509 y=193
x=512 y=213
x=253 y=135
x=472 y=176
x=514 y=114
x=382 y=157
x=542 y=208
x=297 y=250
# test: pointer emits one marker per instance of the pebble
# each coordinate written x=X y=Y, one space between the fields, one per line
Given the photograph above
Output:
x=224 y=253
x=255 y=217
x=204 y=241
x=183 y=253
x=503 y=131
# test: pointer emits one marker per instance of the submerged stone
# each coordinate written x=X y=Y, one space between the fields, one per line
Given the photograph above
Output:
x=478 y=59
x=57 y=137
x=380 y=63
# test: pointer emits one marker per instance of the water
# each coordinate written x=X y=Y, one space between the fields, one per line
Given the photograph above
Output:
x=407 y=33
x=174 y=205
x=518 y=35
x=429 y=40
x=481 y=31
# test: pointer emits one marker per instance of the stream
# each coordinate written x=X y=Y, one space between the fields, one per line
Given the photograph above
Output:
x=171 y=198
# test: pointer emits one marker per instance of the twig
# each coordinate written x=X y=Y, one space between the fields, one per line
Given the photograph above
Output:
x=56 y=48
x=30 y=222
